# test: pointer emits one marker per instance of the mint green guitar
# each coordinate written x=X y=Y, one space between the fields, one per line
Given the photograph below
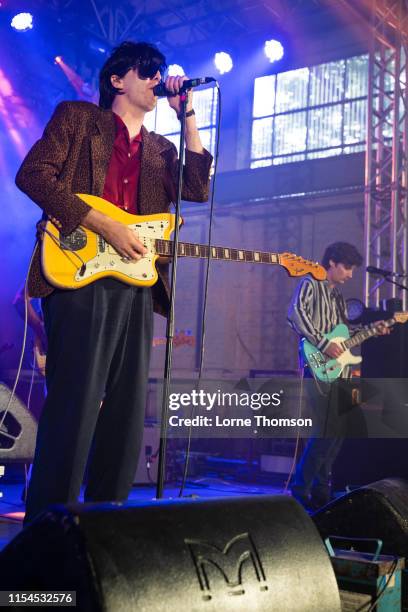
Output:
x=325 y=368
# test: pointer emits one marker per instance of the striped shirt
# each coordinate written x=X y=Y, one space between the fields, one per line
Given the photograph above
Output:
x=315 y=310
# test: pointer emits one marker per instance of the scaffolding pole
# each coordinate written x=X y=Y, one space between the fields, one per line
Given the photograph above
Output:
x=386 y=170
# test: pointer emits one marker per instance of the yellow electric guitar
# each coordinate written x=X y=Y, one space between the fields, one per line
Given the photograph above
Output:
x=72 y=261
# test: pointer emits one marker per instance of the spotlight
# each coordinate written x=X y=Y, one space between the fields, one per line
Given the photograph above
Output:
x=273 y=50
x=22 y=22
x=98 y=47
x=223 y=62
x=175 y=70
x=58 y=59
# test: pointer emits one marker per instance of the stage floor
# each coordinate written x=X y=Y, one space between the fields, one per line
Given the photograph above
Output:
x=12 y=506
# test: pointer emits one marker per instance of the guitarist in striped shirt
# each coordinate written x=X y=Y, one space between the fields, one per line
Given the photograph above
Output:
x=316 y=308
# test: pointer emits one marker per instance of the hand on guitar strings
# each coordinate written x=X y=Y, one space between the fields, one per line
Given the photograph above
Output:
x=333 y=350
x=123 y=239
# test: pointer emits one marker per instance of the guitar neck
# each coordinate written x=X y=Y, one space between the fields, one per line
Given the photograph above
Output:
x=364 y=334
x=201 y=251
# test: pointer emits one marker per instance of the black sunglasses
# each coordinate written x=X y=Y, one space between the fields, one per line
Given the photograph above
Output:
x=147 y=69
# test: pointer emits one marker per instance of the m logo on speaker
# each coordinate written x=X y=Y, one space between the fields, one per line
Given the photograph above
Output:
x=228 y=562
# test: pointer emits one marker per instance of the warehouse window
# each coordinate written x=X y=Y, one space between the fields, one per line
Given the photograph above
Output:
x=310 y=112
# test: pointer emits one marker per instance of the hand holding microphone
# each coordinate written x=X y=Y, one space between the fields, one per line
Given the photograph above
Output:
x=174 y=86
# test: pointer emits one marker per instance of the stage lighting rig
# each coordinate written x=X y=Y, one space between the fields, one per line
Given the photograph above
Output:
x=22 y=22
x=274 y=50
x=175 y=70
x=99 y=47
x=223 y=62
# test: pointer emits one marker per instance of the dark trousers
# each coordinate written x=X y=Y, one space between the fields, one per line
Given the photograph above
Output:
x=313 y=472
x=99 y=341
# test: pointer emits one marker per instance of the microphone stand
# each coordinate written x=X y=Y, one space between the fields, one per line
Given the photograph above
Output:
x=400 y=285
x=170 y=320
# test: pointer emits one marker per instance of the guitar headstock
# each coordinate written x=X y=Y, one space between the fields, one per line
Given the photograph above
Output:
x=297 y=266
x=400 y=317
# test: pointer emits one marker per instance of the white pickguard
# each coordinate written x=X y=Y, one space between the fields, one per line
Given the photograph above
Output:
x=109 y=260
x=346 y=358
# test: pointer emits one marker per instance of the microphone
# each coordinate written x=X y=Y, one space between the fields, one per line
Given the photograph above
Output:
x=161 y=91
x=381 y=272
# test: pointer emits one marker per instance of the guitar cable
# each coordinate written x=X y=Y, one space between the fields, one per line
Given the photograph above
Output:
x=20 y=364
x=301 y=372
x=66 y=247
x=206 y=281
x=28 y=466
x=23 y=345
x=30 y=390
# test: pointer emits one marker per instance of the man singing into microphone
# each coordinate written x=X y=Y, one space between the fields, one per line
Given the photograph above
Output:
x=99 y=336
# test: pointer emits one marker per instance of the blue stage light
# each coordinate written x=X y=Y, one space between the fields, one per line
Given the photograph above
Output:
x=22 y=22
x=175 y=70
x=99 y=47
x=223 y=62
x=274 y=50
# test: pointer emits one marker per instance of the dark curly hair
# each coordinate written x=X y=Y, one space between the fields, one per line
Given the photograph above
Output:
x=342 y=252
x=125 y=57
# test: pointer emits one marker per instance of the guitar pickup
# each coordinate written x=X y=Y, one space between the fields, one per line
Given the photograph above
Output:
x=101 y=244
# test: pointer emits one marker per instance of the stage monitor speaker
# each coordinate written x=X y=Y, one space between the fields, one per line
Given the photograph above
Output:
x=378 y=510
x=18 y=431
x=259 y=553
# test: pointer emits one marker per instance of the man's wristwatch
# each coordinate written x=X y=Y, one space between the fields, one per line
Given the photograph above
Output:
x=189 y=113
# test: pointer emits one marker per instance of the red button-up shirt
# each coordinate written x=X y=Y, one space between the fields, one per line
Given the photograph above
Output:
x=122 y=179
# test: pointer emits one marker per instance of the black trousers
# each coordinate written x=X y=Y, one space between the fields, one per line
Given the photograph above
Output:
x=99 y=341
x=331 y=407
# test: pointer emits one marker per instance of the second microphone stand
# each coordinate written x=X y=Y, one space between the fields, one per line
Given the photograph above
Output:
x=394 y=282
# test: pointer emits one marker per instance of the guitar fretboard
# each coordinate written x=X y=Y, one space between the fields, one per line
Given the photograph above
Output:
x=187 y=249
x=364 y=334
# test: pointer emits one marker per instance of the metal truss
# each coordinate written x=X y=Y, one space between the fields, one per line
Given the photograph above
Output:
x=173 y=23
x=179 y=23
x=386 y=208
